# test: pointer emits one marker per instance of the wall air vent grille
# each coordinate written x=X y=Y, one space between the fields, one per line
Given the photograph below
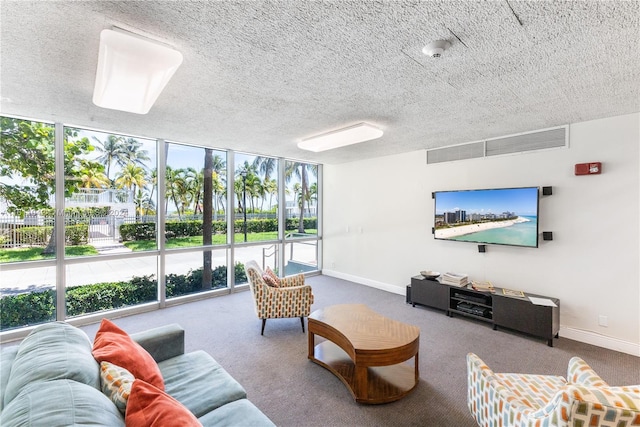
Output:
x=456 y=152
x=553 y=138
x=531 y=141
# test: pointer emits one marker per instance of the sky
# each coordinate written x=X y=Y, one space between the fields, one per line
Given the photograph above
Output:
x=522 y=201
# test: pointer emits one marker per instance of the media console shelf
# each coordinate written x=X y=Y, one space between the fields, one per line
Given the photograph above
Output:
x=511 y=312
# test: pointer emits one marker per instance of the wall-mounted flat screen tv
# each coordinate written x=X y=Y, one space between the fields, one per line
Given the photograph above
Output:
x=501 y=216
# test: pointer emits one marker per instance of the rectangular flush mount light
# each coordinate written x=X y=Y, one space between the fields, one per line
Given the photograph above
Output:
x=341 y=137
x=132 y=71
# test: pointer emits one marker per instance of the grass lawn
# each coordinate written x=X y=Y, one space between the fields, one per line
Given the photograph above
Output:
x=35 y=254
x=191 y=241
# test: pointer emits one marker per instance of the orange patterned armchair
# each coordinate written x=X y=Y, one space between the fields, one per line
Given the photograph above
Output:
x=527 y=400
x=276 y=297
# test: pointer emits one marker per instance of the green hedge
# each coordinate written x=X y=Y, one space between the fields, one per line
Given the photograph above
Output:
x=147 y=230
x=39 y=307
x=39 y=235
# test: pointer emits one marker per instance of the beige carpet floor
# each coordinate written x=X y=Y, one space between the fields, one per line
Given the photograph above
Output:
x=293 y=391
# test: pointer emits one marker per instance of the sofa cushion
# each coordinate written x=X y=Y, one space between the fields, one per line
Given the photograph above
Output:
x=52 y=351
x=114 y=345
x=115 y=383
x=198 y=382
x=151 y=407
x=60 y=403
x=7 y=356
x=238 y=413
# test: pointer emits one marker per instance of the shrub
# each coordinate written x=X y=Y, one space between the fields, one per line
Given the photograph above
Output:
x=39 y=235
x=38 y=307
x=27 y=309
x=147 y=230
x=109 y=295
x=138 y=231
x=76 y=234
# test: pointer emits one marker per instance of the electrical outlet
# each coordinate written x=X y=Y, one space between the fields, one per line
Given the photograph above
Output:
x=603 y=321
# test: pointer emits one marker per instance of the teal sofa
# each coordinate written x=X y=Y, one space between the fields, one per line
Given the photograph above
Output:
x=51 y=379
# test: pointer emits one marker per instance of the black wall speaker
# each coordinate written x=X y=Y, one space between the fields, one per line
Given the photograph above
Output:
x=547 y=235
x=482 y=248
x=547 y=191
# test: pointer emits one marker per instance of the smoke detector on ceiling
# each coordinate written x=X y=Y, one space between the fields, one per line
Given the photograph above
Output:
x=436 y=49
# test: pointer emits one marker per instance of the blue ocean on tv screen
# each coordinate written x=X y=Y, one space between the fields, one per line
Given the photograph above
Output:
x=520 y=234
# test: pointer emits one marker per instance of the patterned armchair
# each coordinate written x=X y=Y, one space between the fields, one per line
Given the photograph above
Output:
x=517 y=400
x=287 y=297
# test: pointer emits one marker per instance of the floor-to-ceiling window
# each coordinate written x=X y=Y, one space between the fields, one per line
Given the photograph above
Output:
x=28 y=264
x=301 y=238
x=256 y=210
x=195 y=213
x=110 y=210
x=92 y=221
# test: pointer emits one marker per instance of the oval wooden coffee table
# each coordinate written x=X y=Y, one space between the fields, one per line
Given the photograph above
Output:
x=366 y=350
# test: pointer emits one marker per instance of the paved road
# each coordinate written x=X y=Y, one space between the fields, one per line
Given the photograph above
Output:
x=33 y=279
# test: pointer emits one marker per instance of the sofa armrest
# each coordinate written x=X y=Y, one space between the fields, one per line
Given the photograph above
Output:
x=579 y=373
x=163 y=342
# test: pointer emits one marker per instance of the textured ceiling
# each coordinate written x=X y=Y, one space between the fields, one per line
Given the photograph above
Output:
x=260 y=76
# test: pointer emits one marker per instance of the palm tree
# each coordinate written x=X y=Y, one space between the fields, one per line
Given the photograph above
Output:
x=219 y=173
x=176 y=186
x=133 y=153
x=143 y=203
x=219 y=165
x=313 y=194
x=265 y=165
x=219 y=192
x=271 y=187
x=254 y=188
x=131 y=177
x=249 y=171
x=112 y=150
x=153 y=181
x=194 y=182
x=301 y=170
x=92 y=175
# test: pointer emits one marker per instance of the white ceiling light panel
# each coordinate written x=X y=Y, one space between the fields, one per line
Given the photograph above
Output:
x=132 y=71
x=360 y=132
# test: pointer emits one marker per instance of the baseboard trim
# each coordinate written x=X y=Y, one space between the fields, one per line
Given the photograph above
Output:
x=368 y=282
x=587 y=337
x=600 y=340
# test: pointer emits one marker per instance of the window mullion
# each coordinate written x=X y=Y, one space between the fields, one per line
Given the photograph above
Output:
x=59 y=223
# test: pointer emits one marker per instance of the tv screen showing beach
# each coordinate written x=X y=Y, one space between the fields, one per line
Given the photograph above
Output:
x=504 y=216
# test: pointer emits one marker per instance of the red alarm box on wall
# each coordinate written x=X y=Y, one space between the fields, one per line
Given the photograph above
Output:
x=592 y=168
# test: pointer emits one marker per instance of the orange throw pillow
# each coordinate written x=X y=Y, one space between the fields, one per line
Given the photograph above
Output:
x=114 y=345
x=150 y=407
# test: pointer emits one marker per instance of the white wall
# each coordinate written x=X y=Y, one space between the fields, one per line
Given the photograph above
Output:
x=378 y=216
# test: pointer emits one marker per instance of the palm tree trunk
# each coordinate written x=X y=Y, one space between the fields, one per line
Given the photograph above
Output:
x=303 y=190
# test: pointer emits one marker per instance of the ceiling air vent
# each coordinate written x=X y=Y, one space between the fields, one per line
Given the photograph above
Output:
x=531 y=141
x=456 y=152
x=541 y=140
